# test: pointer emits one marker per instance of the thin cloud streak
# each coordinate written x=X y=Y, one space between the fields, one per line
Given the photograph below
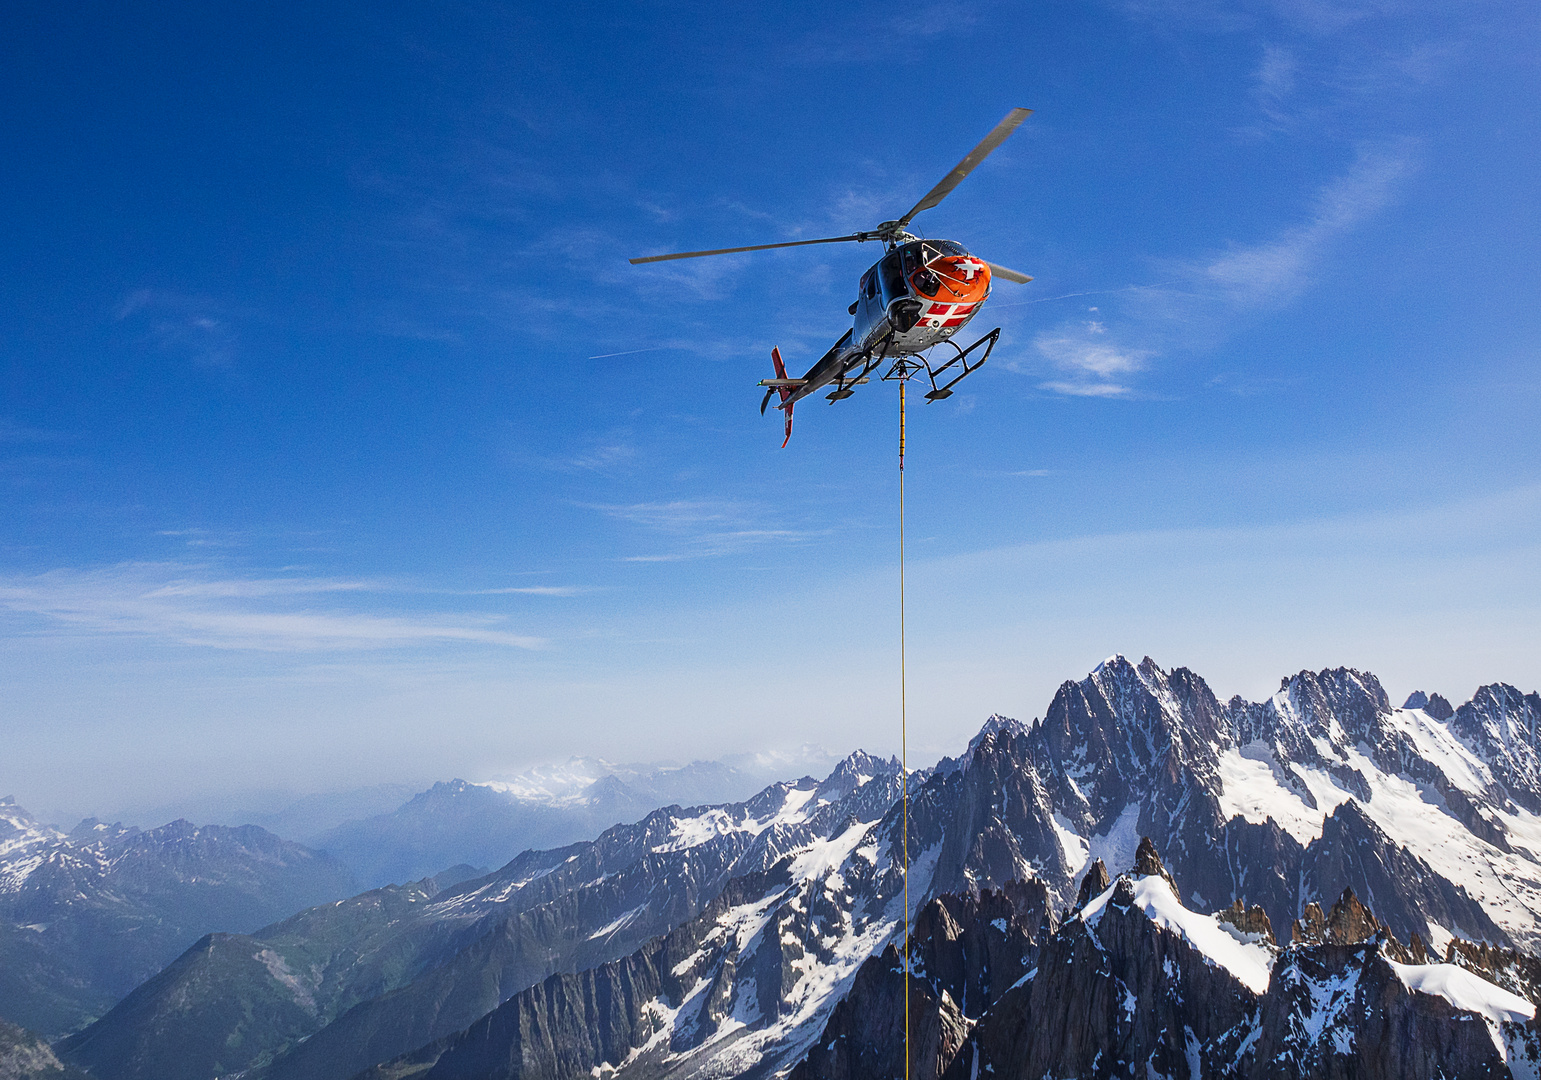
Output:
x=1276 y=272
x=531 y=590
x=704 y=528
x=225 y=613
x=1210 y=295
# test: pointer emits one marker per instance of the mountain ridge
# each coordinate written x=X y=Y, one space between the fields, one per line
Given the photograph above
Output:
x=1286 y=803
x=147 y=892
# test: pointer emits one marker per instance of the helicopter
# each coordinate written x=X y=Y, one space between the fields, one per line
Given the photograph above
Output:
x=916 y=297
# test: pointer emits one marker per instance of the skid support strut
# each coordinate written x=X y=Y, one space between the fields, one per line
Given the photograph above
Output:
x=868 y=360
x=945 y=390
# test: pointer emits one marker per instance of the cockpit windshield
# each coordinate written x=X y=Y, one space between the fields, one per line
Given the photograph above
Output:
x=892 y=273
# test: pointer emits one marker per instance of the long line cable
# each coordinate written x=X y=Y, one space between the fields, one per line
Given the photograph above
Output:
x=904 y=749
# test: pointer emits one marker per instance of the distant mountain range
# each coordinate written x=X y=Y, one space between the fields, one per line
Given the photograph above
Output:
x=338 y=988
x=722 y=940
x=1320 y=884
x=484 y=824
x=86 y=916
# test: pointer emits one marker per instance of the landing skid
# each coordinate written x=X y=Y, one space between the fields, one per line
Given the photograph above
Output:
x=907 y=366
x=869 y=361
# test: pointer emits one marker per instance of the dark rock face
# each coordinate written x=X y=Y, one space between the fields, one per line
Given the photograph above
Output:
x=1001 y=824
x=1337 y=1011
x=1122 y=992
x=1094 y=884
x=1122 y=995
x=1353 y=853
x=1248 y=920
x=971 y=948
x=1148 y=864
x=1433 y=704
x=865 y=1033
x=967 y=951
x=1517 y=972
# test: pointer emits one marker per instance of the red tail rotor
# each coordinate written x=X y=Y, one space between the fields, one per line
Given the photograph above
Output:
x=786 y=392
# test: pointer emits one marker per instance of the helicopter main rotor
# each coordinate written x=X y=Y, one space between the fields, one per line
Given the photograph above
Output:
x=893 y=233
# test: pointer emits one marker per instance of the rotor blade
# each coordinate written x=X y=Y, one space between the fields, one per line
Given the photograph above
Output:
x=1008 y=273
x=967 y=165
x=734 y=251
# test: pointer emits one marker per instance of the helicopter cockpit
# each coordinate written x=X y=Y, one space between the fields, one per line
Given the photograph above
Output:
x=918 y=276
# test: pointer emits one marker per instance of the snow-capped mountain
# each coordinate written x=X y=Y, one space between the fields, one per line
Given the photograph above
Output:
x=721 y=941
x=87 y=915
x=484 y=823
x=1132 y=982
x=24 y=844
x=366 y=979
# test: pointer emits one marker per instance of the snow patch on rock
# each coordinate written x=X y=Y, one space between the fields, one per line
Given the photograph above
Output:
x=1250 y=962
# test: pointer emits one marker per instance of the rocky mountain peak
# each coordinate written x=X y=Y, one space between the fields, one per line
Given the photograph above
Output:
x=1433 y=704
x=996 y=729
x=1348 y=923
x=1147 y=863
x=1094 y=884
x=1249 y=920
x=1341 y=704
x=1501 y=725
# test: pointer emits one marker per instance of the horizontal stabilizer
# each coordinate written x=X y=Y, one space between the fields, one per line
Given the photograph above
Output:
x=783 y=382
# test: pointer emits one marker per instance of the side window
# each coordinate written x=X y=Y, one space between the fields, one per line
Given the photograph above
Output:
x=870 y=286
x=893 y=278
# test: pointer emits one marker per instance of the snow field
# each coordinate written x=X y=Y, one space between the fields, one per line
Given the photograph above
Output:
x=1249 y=961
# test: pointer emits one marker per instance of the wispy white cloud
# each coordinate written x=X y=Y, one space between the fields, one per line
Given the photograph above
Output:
x=1206 y=297
x=702 y=528
x=1092 y=362
x=605 y=458
x=178 y=323
x=252 y=588
x=532 y=590
x=12 y=432
x=1086 y=389
x=1274 y=82
x=1277 y=270
x=196 y=606
x=204 y=538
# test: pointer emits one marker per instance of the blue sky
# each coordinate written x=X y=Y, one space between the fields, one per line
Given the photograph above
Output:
x=339 y=442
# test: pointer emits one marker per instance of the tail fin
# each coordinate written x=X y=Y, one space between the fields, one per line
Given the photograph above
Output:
x=786 y=392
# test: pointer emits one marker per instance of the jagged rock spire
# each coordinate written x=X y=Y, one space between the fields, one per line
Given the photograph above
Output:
x=1094 y=884
x=1249 y=920
x=1348 y=923
x=1147 y=863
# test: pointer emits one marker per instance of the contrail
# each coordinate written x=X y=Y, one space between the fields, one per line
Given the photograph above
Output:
x=1095 y=292
x=630 y=352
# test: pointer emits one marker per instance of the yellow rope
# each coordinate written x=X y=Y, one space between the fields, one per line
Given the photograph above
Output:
x=904 y=738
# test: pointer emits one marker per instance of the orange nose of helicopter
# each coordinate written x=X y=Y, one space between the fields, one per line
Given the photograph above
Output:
x=954 y=285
